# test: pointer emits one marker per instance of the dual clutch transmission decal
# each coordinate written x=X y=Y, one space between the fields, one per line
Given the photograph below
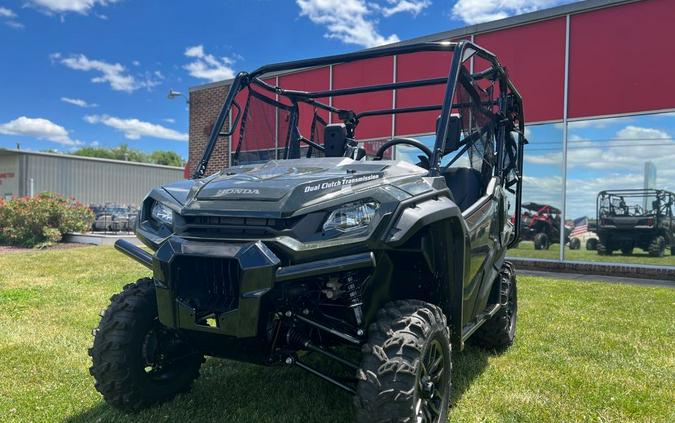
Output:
x=340 y=182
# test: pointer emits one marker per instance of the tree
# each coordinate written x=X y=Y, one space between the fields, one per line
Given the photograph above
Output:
x=123 y=152
x=167 y=158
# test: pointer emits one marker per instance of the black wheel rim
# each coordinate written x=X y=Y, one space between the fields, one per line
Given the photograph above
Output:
x=432 y=384
x=163 y=353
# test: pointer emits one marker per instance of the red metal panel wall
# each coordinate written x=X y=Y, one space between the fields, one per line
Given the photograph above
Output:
x=622 y=59
x=310 y=80
x=417 y=66
x=534 y=56
x=363 y=73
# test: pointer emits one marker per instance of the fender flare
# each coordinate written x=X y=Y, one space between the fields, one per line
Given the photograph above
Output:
x=414 y=215
x=417 y=213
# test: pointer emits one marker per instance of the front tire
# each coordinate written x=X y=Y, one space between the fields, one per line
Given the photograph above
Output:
x=657 y=247
x=499 y=332
x=136 y=361
x=405 y=374
x=575 y=244
x=541 y=241
x=592 y=244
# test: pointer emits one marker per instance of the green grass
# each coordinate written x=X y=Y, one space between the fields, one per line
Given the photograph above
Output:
x=591 y=352
x=526 y=249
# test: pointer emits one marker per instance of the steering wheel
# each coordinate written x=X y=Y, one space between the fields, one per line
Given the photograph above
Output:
x=408 y=141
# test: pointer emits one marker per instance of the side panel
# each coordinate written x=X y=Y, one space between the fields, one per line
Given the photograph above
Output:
x=481 y=222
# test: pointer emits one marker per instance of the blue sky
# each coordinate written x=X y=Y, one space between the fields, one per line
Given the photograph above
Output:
x=96 y=72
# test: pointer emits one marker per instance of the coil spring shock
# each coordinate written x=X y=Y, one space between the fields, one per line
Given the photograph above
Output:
x=353 y=292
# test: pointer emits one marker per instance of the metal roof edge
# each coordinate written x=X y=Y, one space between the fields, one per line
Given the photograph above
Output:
x=97 y=159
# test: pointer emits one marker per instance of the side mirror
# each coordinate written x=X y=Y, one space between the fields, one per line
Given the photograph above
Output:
x=454 y=133
x=335 y=140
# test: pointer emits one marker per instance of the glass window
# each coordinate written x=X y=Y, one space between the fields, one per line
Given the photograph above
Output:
x=542 y=193
x=620 y=174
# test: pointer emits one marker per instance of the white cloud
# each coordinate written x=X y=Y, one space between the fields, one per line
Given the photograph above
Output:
x=400 y=6
x=39 y=128
x=134 y=129
x=348 y=20
x=114 y=74
x=78 y=102
x=9 y=18
x=638 y=133
x=477 y=11
x=6 y=13
x=169 y=120
x=207 y=66
x=64 y=6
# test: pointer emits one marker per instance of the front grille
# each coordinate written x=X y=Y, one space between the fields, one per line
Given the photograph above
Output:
x=210 y=285
x=236 y=226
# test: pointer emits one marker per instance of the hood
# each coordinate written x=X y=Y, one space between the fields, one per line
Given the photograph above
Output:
x=307 y=178
x=286 y=186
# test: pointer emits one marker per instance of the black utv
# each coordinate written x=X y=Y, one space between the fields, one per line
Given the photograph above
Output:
x=379 y=265
x=636 y=218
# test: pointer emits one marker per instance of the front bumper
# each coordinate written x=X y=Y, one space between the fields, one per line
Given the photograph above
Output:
x=232 y=281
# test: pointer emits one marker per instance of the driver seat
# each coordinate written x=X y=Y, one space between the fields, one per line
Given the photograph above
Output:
x=465 y=184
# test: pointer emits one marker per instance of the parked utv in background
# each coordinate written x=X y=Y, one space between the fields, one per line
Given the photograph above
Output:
x=113 y=218
x=541 y=223
x=583 y=233
x=636 y=218
x=399 y=262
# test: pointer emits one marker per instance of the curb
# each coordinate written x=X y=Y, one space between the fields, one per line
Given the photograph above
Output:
x=602 y=269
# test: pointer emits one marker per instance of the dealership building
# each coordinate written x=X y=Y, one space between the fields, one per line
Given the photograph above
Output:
x=595 y=76
x=88 y=179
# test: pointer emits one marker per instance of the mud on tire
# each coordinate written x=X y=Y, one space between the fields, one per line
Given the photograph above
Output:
x=137 y=362
x=409 y=339
x=499 y=332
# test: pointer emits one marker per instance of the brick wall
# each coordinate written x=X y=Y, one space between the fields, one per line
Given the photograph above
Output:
x=205 y=105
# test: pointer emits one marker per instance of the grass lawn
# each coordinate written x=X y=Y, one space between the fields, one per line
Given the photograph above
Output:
x=526 y=249
x=591 y=352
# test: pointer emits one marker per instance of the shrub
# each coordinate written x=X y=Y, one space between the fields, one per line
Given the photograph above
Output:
x=42 y=220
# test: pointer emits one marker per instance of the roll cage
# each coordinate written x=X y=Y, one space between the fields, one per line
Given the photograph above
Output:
x=625 y=203
x=497 y=108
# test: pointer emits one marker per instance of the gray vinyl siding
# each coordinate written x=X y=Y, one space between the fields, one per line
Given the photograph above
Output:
x=92 y=181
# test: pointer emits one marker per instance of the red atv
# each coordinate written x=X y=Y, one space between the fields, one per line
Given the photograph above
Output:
x=541 y=223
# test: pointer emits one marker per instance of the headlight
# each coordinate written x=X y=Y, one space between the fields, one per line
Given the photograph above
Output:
x=162 y=213
x=351 y=216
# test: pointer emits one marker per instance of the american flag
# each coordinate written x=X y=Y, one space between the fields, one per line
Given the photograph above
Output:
x=580 y=226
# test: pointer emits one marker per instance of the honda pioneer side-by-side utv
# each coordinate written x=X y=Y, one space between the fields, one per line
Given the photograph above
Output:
x=636 y=218
x=318 y=248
